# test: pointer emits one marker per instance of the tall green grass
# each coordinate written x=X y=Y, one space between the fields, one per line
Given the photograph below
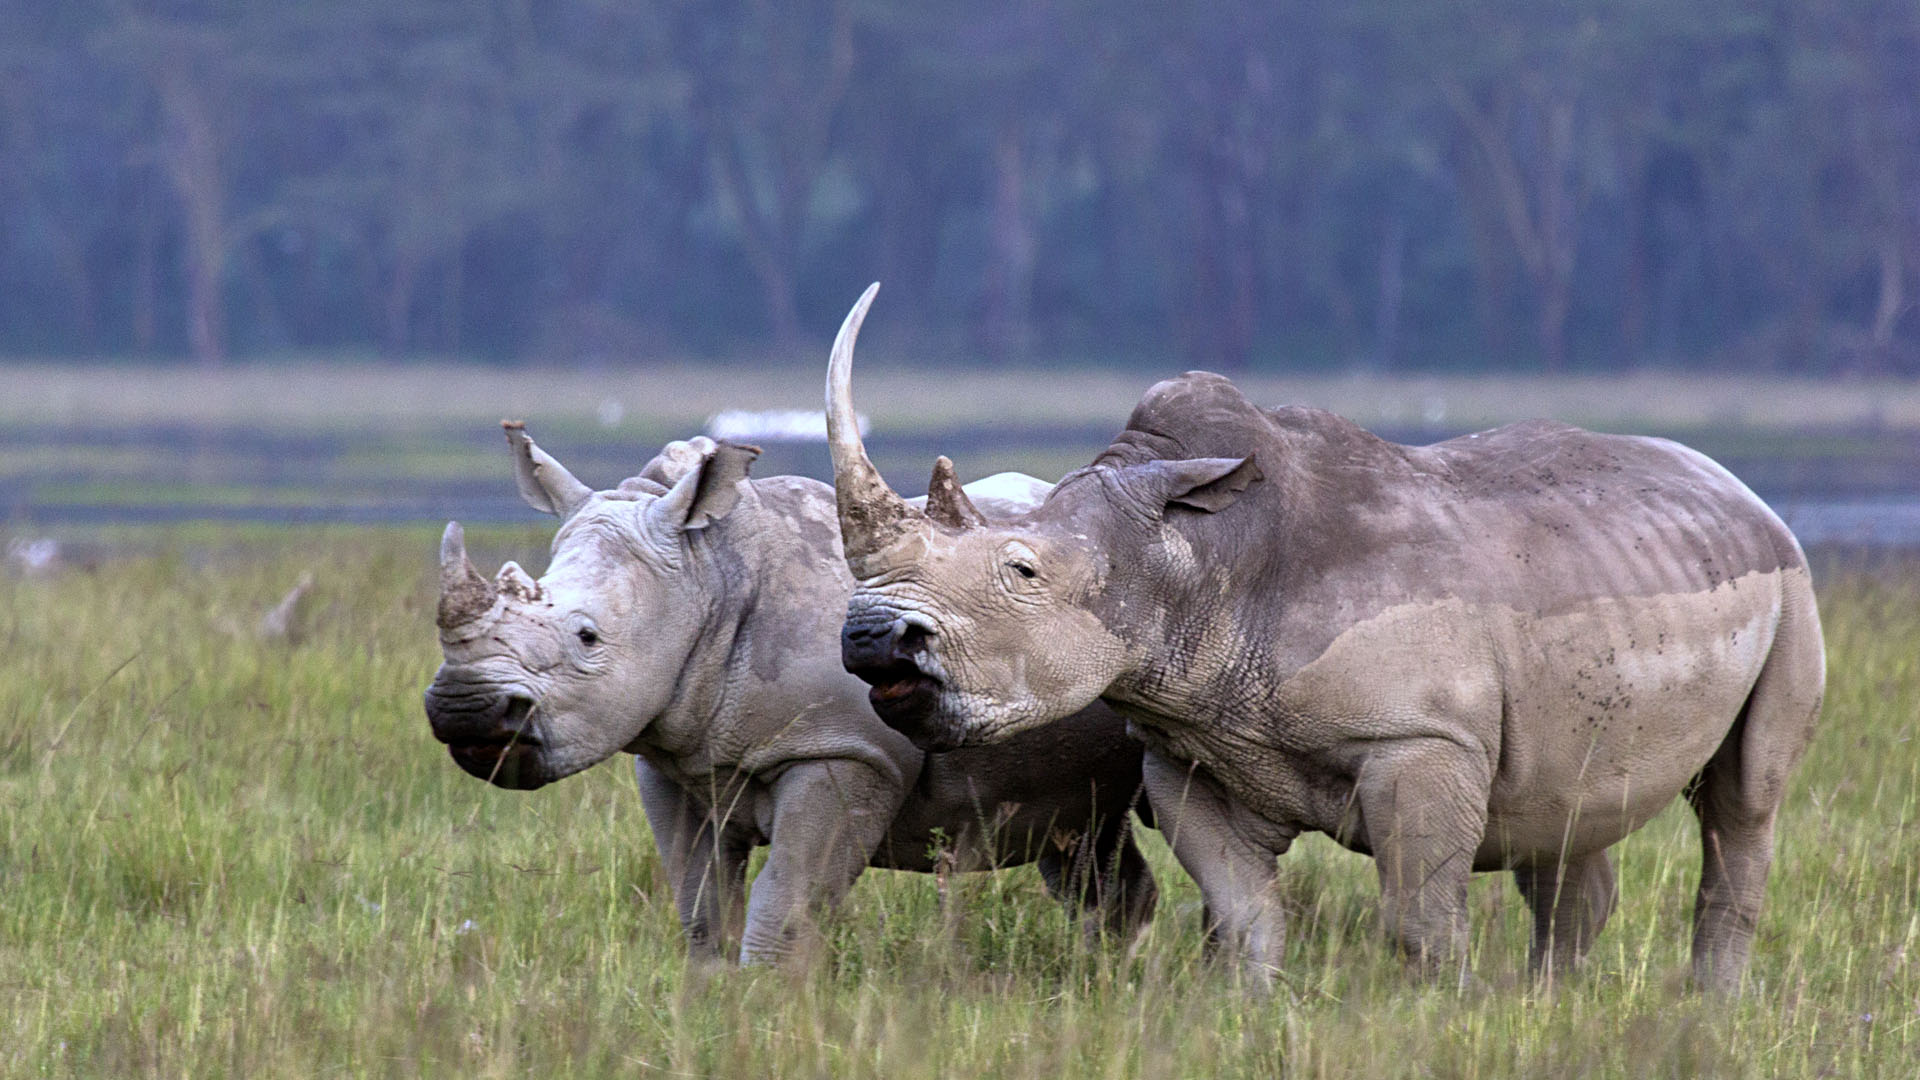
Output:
x=222 y=856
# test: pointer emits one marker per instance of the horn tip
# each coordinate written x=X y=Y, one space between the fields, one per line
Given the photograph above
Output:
x=514 y=425
x=453 y=540
x=865 y=302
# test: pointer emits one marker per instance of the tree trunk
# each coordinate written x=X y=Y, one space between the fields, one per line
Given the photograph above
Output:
x=146 y=260
x=1556 y=234
x=763 y=240
x=1221 y=304
x=1242 y=307
x=1010 y=274
x=1555 y=298
x=206 y=307
x=450 y=287
x=190 y=151
x=1541 y=215
x=397 y=314
x=1893 y=299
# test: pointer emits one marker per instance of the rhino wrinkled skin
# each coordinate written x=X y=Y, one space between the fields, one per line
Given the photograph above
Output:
x=1501 y=652
x=691 y=617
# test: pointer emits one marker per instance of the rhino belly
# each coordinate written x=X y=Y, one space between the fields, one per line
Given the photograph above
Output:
x=1609 y=710
x=1590 y=719
x=1007 y=803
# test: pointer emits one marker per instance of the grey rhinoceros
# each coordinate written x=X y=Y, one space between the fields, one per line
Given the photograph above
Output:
x=1501 y=652
x=691 y=617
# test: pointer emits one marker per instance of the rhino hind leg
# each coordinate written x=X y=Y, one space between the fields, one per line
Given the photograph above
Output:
x=1736 y=856
x=1570 y=902
x=1106 y=878
x=1738 y=794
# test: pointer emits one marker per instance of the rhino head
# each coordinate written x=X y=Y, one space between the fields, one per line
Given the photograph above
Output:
x=544 y=678
x=969 y=632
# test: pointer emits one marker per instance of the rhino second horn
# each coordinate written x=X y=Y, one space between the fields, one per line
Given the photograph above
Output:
x=873 y=517
x=513 y=581
x=947 y=501
x=464 y=594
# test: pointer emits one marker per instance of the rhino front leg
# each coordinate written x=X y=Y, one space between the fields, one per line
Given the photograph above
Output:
x=1570 y=902
x=1423 y=811
x=705 y=864
x=828 y=819
x=1232 y=855
x=713 y=888
x=673 y=817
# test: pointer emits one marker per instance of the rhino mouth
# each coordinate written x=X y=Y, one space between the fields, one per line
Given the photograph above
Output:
x=510 y=762
x=900 y=685
x=907 y=700
x=491 y=737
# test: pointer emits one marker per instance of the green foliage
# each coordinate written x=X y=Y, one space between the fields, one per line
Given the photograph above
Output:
x=222 y=856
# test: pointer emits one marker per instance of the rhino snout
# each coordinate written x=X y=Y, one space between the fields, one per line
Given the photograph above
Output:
x=874 y=642
x=489 y=734
x=889 y=656
x=460 y=715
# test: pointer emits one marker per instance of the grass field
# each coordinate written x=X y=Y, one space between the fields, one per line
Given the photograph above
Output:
x=228 y=857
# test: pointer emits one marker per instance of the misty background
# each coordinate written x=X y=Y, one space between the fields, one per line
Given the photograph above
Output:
x=289 y=261
x=1389 y=184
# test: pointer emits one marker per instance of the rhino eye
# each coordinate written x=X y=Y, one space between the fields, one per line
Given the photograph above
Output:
x=1021 y=568
x=588 y=637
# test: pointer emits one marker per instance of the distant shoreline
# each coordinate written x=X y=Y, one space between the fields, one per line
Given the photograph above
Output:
x=903 y=394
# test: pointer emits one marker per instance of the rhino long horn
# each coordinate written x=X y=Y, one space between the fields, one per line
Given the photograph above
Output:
x=873 y=517
x=464 y=594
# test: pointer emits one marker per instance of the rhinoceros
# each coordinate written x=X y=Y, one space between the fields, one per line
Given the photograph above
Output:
x=691 y=617
x=1505 y=651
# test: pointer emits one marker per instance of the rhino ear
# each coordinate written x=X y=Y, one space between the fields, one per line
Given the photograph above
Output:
x=706 y=492
x=545 y=483
x=676 y=459
x=1206 y=484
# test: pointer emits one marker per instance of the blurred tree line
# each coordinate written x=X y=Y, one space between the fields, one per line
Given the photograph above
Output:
x=1561 y=184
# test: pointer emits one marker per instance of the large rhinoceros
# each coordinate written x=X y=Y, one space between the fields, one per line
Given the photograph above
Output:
x=691 y=617
x=1501 y=652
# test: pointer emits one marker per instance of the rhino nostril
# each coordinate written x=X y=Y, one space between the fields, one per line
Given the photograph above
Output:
x=518 y=706
x=913 y=637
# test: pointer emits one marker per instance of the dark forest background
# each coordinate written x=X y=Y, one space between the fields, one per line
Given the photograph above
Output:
x=1388 y=184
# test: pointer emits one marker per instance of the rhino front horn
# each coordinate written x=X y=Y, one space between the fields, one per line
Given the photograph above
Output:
x=464 y=594
x=873 y=517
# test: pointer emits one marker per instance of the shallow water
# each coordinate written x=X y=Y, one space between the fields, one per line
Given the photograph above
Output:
x=1851 y=488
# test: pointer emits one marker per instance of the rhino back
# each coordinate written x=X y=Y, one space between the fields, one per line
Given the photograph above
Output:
x=1537 y=516
x=766 y=687
x=1590 y=610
